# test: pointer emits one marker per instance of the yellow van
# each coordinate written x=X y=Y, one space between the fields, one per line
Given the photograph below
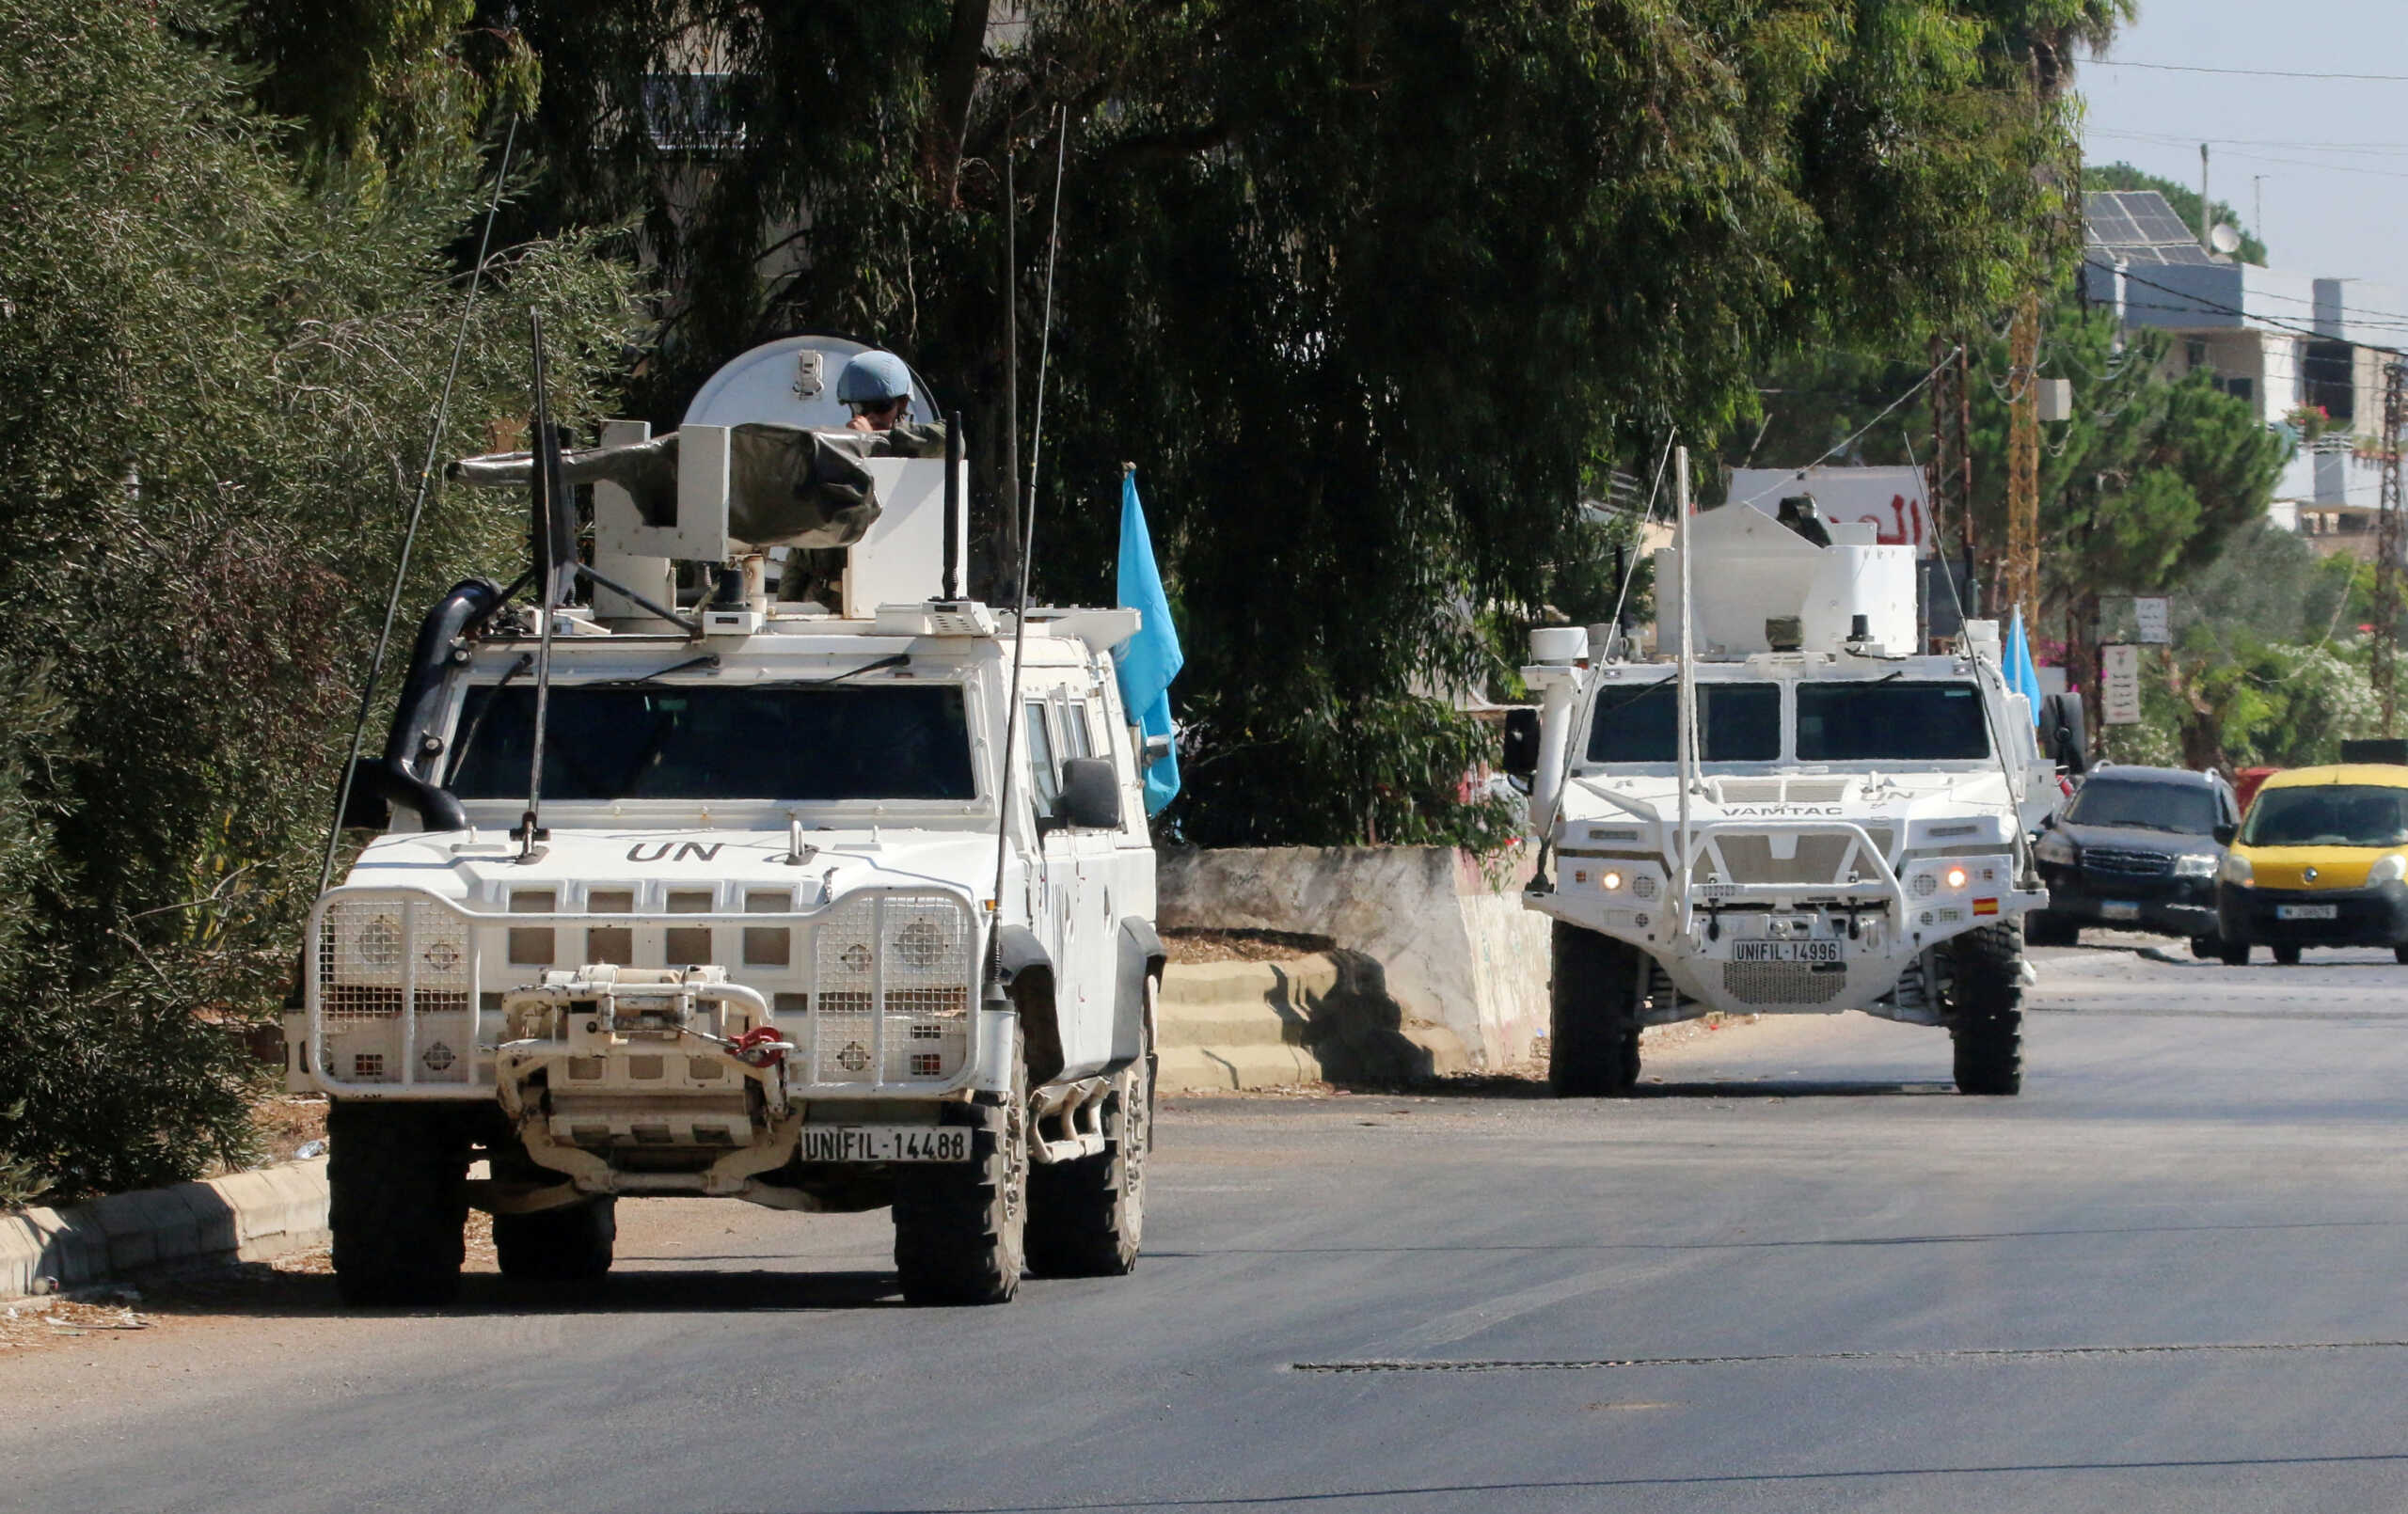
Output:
x=2322 y=859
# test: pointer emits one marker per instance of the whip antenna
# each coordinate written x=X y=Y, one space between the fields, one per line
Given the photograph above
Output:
x=550 y=580
x=417 y=509
x=1027 y=548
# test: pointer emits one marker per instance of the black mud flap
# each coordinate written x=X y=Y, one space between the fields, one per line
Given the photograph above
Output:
x=1140 y=957
x=1028 y=976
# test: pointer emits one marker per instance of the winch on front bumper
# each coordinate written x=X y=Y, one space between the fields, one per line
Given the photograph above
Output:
x=631 y=1077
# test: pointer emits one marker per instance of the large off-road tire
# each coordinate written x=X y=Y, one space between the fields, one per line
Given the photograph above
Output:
x=1593 y=1031
x=960 y=1228
x=1088 y=1217
x=397 y=1201
x=570 y=1244
x=1986 y=991
x=2286 y=954
x=2399 y=954
x=2234 y=953
x=2041 y=928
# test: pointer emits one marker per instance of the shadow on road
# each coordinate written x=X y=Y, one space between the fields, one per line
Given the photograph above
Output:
x=1789 y=1088
x=262 y=1291
x=1479 y=1495
x=1507 y=1086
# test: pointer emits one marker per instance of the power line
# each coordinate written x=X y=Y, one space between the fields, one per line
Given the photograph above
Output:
x=1858 y=433
x=2198 y=306
x=2187 y=139
x=2246 y=73
x=2198 y=303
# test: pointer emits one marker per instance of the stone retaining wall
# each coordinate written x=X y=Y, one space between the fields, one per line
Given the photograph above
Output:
x=1454 y=946
x=249 y=1217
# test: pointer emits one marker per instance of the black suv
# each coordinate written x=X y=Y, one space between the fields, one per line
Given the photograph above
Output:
x=2138 y=847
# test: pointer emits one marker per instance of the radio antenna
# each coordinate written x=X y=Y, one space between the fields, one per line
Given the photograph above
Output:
x=1027 y=548
x=418 y=509
x=545 y=479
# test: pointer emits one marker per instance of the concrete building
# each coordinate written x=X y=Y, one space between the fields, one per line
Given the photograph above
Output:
x=2288 y=344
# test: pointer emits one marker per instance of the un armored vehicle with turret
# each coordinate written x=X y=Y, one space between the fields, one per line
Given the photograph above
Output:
x=808 y=883
x=1793 y=808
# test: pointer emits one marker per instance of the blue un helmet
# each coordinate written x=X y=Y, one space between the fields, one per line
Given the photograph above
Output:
x=874 y=378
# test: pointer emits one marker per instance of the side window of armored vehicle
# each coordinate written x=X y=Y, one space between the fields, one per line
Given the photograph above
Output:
x=1882 y=722
x=1639 y=723
x=1044 y=774
x=1077 y=738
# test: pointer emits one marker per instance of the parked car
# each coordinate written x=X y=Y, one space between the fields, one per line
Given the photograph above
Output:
x=2137 y=848
x=2246 y=782
x=2321 y=861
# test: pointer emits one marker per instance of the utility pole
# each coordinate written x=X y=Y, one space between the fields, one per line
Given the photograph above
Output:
x=2385 y=650
x=1951 y=470
x=1964 y=468
x=2019 y=571
x=2207 y=214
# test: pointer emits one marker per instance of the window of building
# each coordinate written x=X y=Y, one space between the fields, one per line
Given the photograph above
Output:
x=2328 y=374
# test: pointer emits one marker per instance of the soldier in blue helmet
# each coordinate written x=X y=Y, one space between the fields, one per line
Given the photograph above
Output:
x=877 y=386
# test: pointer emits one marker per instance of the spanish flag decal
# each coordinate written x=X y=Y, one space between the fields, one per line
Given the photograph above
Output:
x=1985 y=906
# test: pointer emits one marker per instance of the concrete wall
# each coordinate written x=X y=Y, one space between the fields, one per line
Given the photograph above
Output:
x=1453 y=942
x=1241 y=1025
x=249 y=1217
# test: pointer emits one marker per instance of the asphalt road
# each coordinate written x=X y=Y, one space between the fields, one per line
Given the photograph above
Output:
x=1801 y=1274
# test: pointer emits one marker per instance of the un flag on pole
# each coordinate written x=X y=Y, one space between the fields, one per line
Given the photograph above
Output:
x=2022 y=674
x=1150 y=659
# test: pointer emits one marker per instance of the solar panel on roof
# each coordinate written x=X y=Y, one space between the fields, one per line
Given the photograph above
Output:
x=2138 y=226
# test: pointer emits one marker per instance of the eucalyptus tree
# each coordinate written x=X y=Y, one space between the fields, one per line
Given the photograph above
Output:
x=1368 y=293
x=218 y=374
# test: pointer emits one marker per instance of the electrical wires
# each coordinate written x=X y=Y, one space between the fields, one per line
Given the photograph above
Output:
x=1858 y=435
x=2244 y=74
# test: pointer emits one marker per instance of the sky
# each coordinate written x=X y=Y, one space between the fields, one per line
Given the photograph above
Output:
x=2327 y=158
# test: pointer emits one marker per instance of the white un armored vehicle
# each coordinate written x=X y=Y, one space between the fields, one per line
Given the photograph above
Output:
x=823 y=905
x=1841 y=823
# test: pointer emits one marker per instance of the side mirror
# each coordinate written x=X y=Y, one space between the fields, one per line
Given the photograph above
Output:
x=2225 y=832
x=1521 y=743
x=2065 y=733
x=1090 y=797
x=365 y=807
x=2049 y=821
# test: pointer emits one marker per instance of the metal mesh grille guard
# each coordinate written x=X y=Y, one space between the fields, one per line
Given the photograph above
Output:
x=875 y=990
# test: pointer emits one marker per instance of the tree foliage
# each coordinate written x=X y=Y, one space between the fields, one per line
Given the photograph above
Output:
x=217 y=374
x=2148 y=479
x=1366 y=291
x=2140 y=491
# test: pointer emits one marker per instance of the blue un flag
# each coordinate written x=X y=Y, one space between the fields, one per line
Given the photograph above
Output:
x=2022 y=674
x=1150 y=659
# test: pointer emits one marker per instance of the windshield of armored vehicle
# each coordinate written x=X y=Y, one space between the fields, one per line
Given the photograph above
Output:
x=1639 y=723
x=1886 y=721
x=759 y=741
x=2328 y=814
x=2145 y=806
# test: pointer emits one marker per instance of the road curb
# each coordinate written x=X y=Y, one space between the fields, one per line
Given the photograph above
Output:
x=248 y=1217
x=1327 y=1018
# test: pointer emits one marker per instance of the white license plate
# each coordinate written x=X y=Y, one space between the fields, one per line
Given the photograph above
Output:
x=885 y=1143
x=2115 y=909
x=2308 y=911
x=1784 y=951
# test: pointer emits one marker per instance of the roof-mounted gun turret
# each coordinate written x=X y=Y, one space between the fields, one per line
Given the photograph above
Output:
x=1761 y=585
x=763 y=467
